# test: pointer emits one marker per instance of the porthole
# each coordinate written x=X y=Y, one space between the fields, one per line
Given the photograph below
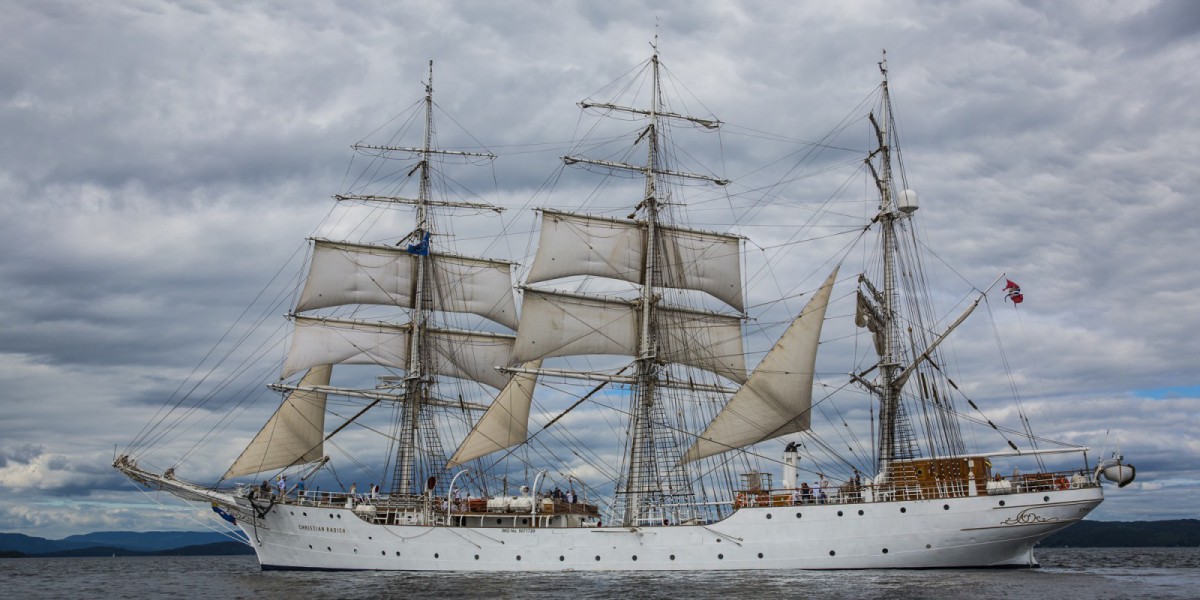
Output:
x=760 y=554
x=356 y=550
x=328 y=548
x=718 y=540
x=339 y=516
x=860 y=513
x=398 y=554
x=720 y=557
x=435 y=554
x=304 y=513
x=832 y=553
x=1045 y=498
x=885 y=550
x=331 y=516
x=524 y=521
x=945 y=507
x=476 y=556
x=597 y=558
x=672 y=557
x=768 y=515
x=903 y=510
x=518 y=557
x=927 y=546
x=1001 y=503
x=310 y=546
x=498 y=521
x=292 y=512
x=634 y=558
x=839 y=513
x=383 y=552
x=797 y=515
x=562 y=558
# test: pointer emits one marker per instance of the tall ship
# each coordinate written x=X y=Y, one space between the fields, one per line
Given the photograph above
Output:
x=630 y=399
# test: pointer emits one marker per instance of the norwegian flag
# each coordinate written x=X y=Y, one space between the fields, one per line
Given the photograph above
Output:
x=1012 y=291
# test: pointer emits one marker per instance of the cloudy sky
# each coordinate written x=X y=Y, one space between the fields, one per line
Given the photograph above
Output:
x=162 y=160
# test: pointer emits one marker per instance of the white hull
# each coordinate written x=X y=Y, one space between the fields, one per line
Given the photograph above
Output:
x=956 y=532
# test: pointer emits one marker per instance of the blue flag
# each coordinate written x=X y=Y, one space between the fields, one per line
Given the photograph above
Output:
x=421 y=249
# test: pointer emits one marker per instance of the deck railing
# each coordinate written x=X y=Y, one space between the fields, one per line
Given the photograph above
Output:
x=851 y=493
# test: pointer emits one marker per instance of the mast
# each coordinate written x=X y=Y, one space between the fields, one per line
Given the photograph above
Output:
x=895 y=438
x=641 y=444
x=889 y=361
x=415 y=388
x=633 y=250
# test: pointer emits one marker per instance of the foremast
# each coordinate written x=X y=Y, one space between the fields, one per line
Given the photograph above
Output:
x=416 y=387
x=412 y=277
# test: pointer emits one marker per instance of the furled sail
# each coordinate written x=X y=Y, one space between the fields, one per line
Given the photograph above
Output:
x=562 y=324
x=865 y=315
x=778 y=396
x=465 y=354
x=506 y=422
x=293 y=435
x=573 y=244
x=344 y=273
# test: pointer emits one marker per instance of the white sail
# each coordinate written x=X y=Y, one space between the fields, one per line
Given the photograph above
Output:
x=701 y=260
x=573 y=244
x=465 y=354
x=778 y=397
x=343 y=273
x=706 y=340
x=506 y=422
x=556 y=324
x=293 y=435
x=560 y=324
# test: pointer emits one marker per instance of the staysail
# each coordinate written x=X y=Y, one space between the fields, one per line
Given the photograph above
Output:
x=778 y=396
x=293 y=435
x=506 y=422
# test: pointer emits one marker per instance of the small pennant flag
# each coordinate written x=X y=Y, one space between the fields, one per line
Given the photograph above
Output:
x=1012 y=291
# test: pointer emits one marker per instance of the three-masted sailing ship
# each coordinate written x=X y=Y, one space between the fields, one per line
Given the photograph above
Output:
x=639 y=314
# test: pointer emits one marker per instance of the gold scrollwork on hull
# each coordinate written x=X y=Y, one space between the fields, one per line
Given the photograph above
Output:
x=1027 y=517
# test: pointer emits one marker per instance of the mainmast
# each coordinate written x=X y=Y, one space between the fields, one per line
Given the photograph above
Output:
x=646 y=486
x=642 y=461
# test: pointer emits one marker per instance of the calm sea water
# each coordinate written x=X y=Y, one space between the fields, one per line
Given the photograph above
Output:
x=1065 y=574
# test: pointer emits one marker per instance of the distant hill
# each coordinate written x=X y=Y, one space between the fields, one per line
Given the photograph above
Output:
x=123 y=543
x=216 y=549
x=148 y=541
x=1127 y=534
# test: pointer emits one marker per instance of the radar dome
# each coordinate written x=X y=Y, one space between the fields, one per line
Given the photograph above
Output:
x=907 y=202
